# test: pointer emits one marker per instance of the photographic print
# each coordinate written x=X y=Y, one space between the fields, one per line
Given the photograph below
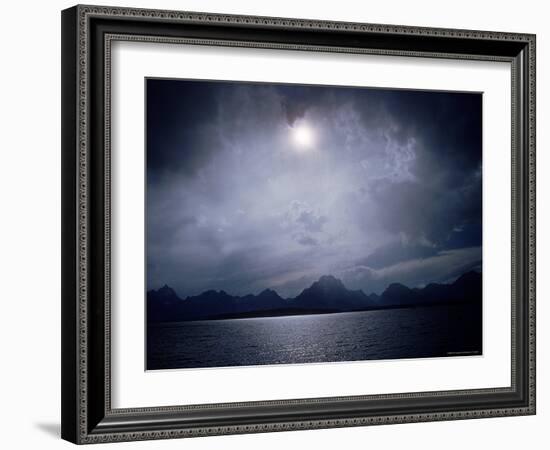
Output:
x=292 y=224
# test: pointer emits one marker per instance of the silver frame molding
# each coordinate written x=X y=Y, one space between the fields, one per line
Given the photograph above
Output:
x=87 y=35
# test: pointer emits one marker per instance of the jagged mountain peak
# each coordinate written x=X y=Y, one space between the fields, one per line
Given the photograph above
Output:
x=329 y=279
x=268 y=293
x=397 y=286
x=166 y=289
x=327 y=294
x=328 y=282
x=468 y=277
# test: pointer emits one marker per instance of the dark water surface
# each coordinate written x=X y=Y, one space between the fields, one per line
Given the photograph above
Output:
x=384 y=334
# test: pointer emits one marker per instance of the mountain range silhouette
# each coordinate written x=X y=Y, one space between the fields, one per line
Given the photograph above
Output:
x=327 y=295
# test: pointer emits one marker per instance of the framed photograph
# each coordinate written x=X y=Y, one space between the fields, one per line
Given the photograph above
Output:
x=278 y=224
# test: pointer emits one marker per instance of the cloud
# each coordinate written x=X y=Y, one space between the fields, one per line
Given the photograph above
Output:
x=442 y=267
x=294 y=110
x=305 y=239
x=399 y=251
x=304 y=223
x=391 y=186
x=289 y=288
x=311 y=221
x=301 y=215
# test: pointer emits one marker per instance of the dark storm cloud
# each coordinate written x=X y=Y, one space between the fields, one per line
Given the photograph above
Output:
x=396 y=252
x=386 y=186
x=173 y=127
x=294 y=110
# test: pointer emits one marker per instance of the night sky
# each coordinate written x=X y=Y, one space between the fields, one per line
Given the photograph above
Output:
x=255 y=186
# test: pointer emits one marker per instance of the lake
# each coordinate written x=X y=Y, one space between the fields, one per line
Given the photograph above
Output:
x=421 y=332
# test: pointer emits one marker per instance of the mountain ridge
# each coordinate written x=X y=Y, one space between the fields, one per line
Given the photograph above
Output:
x=326 y=295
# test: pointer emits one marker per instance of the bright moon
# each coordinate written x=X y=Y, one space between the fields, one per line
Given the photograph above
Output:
x=303 y=136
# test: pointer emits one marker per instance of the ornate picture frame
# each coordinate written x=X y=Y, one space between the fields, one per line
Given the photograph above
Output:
x=87 y=36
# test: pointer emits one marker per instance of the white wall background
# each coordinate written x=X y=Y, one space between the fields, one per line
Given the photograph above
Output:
x=30 y=223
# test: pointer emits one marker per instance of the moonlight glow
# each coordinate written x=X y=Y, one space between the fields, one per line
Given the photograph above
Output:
x=302 y=136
